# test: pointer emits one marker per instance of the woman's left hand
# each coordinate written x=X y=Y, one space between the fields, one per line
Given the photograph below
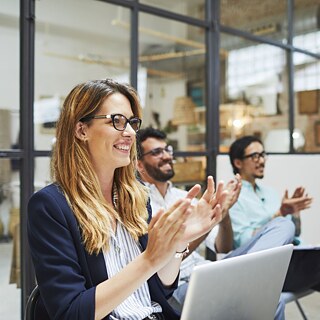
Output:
x=207 y=212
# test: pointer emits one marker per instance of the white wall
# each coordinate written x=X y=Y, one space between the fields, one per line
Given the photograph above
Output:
x=288 y=172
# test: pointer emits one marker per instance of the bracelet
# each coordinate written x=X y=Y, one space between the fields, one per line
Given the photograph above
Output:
x=183 y=253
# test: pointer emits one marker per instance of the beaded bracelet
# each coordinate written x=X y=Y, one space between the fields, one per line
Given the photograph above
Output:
x=183 y=253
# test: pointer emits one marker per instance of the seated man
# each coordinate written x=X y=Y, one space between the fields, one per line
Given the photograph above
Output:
x=261 y=203
x=156 y=169
x=259 y=206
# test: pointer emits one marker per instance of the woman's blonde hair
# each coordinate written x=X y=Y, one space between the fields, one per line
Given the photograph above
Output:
x=73 y=171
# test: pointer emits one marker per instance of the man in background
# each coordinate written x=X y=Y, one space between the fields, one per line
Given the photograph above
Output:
x=156 y=169
x=259 y=206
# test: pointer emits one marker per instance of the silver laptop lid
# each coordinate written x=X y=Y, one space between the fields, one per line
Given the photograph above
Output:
x=245 y=287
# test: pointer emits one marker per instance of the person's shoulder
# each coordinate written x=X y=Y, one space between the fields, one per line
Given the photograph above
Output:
x=49 y=201
x=51 y=192
x=52 y=189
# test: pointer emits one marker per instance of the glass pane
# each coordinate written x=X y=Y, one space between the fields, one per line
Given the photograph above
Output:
x=9 y=195
x=9 y=68
x=10 y=279
x=262 y=18
x=307 y=25
x=307 y=103
x=254 y=95
x=74 y=46
x=195 y=167
x=42 y=172
x=192 y=8
x=172 y=80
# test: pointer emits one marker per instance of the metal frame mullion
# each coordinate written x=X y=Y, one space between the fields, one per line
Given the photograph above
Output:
x=253 y=38
x=212 y=85
x=134 y=46
x=27 y=30
x=290 y=70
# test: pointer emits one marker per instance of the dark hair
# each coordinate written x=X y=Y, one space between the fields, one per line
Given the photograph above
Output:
x=238 y=148
x=144 y=134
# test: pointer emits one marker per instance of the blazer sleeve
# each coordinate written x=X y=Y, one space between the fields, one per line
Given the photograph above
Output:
x=54 y=240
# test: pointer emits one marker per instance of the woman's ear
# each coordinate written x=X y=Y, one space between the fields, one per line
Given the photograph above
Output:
x=81 y=131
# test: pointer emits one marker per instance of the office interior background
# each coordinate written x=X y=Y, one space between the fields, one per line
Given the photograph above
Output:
x=207 y=72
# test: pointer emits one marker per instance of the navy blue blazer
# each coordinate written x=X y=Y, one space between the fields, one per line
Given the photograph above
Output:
x=66 y=274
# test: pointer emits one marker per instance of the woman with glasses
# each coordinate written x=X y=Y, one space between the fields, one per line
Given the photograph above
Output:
x=96 y=251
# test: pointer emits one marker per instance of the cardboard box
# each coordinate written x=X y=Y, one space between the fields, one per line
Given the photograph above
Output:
x=191 y=171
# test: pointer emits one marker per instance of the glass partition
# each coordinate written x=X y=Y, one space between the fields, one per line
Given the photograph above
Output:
x=10 y=280
x=9 y=82
x=74 y=46
x=261 y=18
x=306 y=27
x=42 y=172
x=172 y=85
x=307 y=76
x=307 y=103
x=254 y=94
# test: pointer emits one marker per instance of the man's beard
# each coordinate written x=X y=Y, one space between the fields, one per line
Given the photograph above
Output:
x=158 y=175
x=261 y=175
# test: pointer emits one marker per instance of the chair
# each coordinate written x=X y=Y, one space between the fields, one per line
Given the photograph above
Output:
x=210 y=254
x=31 y=304
x=295 y=296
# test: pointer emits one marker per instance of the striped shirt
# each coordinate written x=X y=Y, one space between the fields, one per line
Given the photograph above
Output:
x=123 y=249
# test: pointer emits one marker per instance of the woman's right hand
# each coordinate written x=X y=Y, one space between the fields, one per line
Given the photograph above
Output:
x=166 y=229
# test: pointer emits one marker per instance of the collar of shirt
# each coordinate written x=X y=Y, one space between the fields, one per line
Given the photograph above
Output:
x=157 y=201
x=247 y=184
x=153 y=187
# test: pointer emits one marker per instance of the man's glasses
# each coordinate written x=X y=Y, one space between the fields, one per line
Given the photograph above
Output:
x=158 y=152
x=255 y=156
x=119 y=121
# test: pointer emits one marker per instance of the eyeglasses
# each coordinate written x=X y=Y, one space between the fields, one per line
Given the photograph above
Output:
x=255 y=156
x=158 y=152
x=119 y=121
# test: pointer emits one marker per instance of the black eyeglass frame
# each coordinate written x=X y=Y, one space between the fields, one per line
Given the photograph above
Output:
x=156 y=152
x=134 y=121
x=255 y=156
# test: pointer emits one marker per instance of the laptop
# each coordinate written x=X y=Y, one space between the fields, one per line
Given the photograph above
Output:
x=247 y=287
